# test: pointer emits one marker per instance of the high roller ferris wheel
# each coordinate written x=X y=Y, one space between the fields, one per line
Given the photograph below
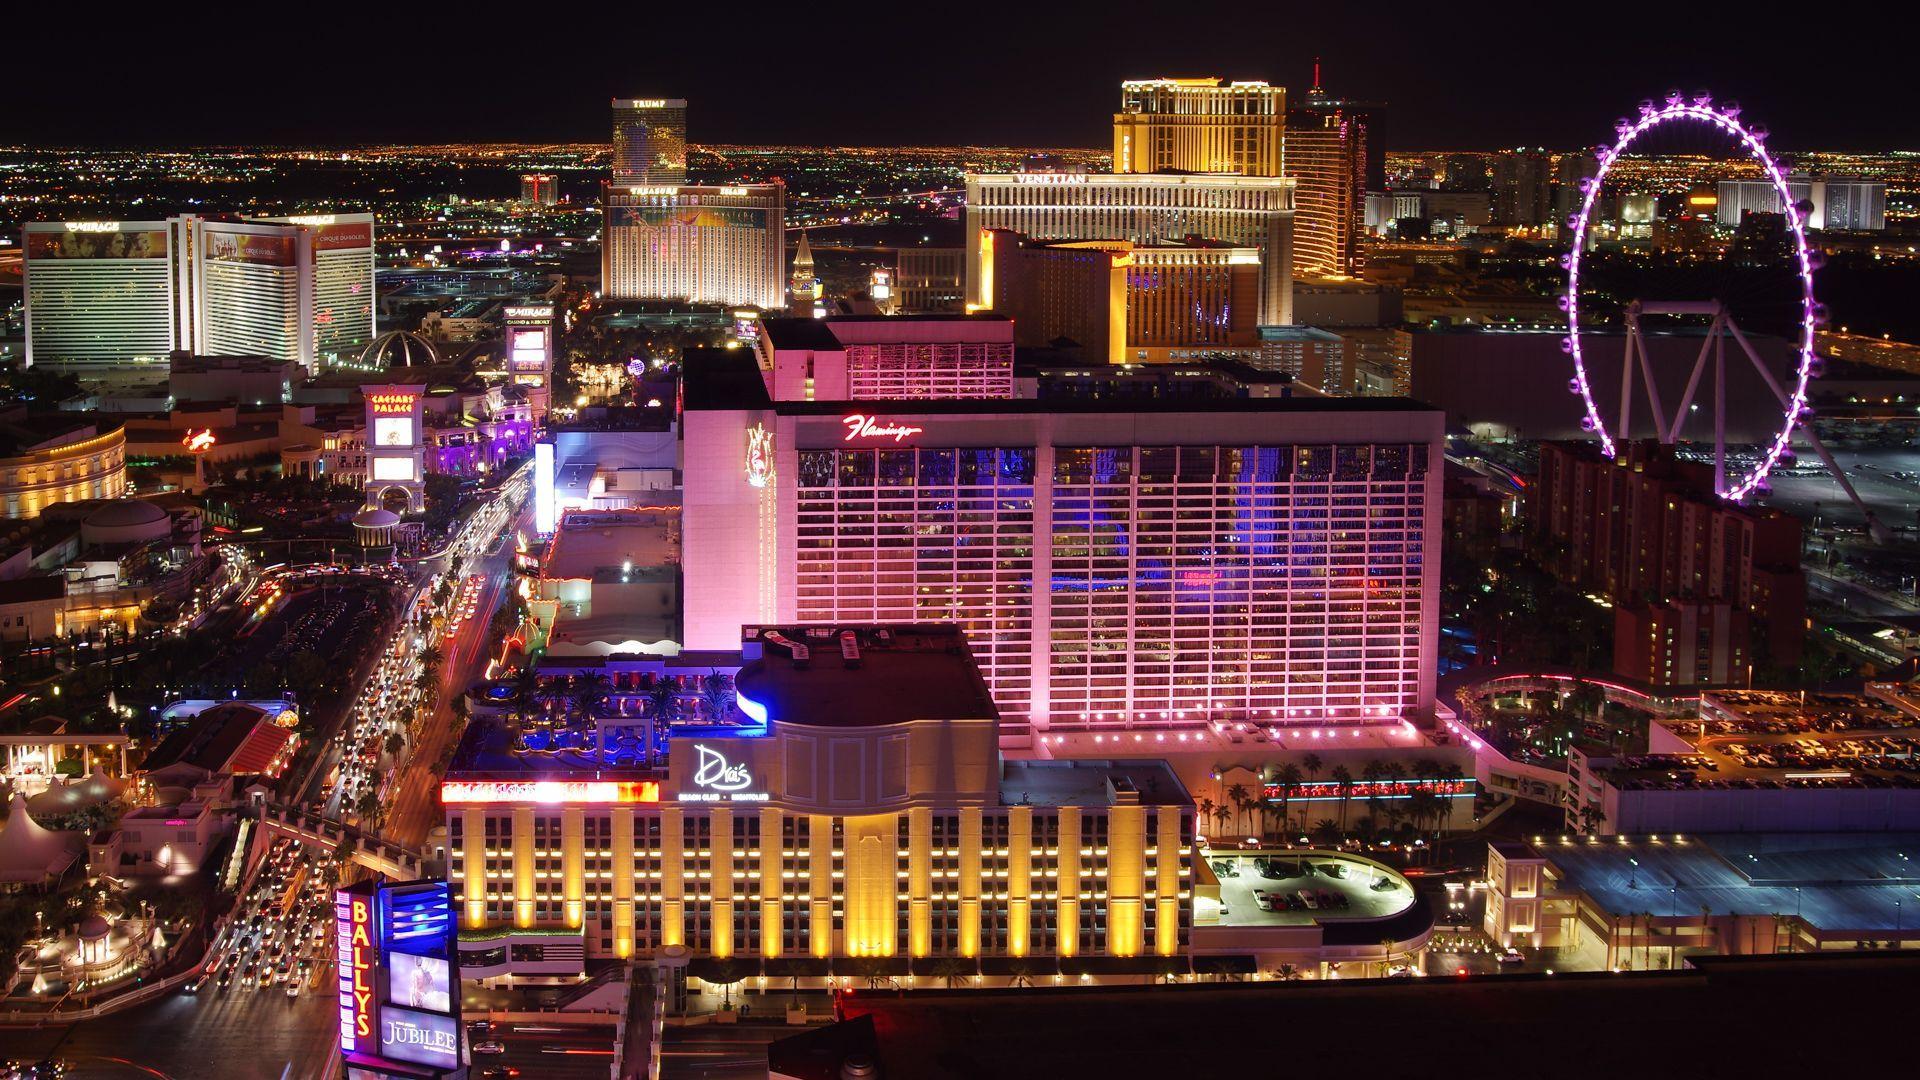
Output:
x=1732 y=481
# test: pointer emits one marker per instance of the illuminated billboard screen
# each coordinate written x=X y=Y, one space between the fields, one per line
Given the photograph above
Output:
x=549 y=792
x=393 y=431
x=263 y=249
x=422 y=1038
x=393 y=468
x=96 y=242
x=419 y=982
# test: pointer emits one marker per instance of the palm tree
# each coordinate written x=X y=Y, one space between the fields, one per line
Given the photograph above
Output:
x=1312 y=764
x=953 y=969
x=1206 y=808
x=1287 y=973
x=1344 y=777
x=1591 y=818
x=1373 y=772
x=1222 y=815
x=1288 y=777
x=1366 y=827
x=661 y=696
x=1238 y=794
x=726 y=973
x=716 y=695
x=1327 y=831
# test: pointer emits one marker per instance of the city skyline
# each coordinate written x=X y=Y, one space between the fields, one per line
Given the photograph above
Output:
x=899 y=83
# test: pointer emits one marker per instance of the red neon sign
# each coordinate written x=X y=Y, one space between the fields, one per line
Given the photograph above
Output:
x=392 y=404
x=549 y=792
x=862 y=426
x=198 y=442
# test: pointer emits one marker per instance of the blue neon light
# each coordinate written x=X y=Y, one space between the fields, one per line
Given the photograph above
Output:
x=753 y=709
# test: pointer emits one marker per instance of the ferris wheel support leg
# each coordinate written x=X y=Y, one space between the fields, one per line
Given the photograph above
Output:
x=1660 y=430
x=1875 y=528
x=1720 y=408
x=1626 y=376
x=1693 y=381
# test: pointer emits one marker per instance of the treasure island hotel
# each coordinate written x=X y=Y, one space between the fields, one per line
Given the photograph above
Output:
x=665 y=239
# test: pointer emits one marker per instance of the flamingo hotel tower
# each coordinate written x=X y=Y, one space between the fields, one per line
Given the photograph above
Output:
x=1117 y=565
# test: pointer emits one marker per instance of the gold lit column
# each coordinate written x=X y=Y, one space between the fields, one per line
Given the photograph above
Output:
x=673 y=883
x=1019 y=878
x=523 y=866
x=1068 y=918
x=573 y=839
x=720 y=908
x=872 y=885
x=919 y=881
x=772 y=886
x=1126 y=878
x=623 y=881
x=473 y=852
x=970 y=881
x=820 y=884
x=1170 y=881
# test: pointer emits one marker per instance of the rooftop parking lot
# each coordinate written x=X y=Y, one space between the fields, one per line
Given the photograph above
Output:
x=1298 y=888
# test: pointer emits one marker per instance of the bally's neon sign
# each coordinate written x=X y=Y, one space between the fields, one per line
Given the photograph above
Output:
x=862 y=426
x=354 y=916
x=722 y=780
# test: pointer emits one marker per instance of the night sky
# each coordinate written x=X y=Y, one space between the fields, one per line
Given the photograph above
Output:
x=888 y=73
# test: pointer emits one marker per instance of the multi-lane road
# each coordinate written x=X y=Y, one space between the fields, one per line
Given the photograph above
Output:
x=227 y=1035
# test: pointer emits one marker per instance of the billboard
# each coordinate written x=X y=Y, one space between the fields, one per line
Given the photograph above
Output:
x=419 y=982
x=94 y=242
x=393 y=468
x=422 y=1038
x=398 y=976
x=259 y=249
x=344 y=236
x=393 y=431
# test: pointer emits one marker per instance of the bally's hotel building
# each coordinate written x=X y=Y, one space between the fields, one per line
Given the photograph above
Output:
x=1116 y=567
x=854 y=806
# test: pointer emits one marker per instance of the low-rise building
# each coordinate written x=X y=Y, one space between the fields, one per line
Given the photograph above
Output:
x=1760 y=761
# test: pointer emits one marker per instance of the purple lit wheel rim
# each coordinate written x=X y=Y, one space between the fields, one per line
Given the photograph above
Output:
x=1703 y=111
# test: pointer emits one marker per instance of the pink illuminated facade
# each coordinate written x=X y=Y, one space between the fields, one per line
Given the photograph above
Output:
x=1248 y=560
x=861 y=358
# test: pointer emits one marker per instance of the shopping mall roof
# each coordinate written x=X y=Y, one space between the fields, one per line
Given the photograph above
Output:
x=855 y=676
x=1838 y=882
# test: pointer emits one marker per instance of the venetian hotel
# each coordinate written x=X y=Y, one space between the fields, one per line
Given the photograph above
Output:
x=855 y=806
